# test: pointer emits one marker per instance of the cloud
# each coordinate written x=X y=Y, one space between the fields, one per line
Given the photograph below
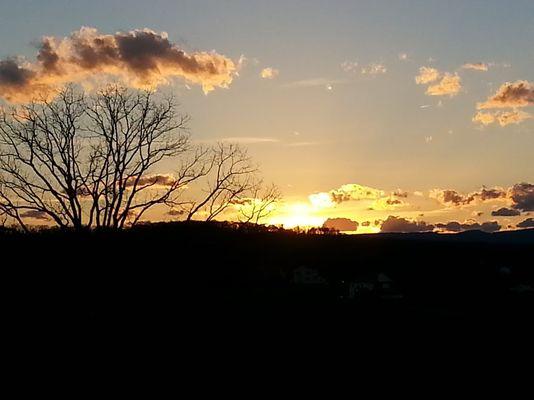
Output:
x=502 y=117
x=155 y=181
x=269 y=73
x=302 y=144
x=349 y=66
x=427 y=75
x=451 y=197
x=139 y=58
x=314 y=82
x=175 y=213
x=479 y=66
x=400 y=193
x=398 y=224
x=449 y=85
x=341 y=224
x=484 y=118
x=351 y=191
x=528 y=223
x=522 y=195
x=35 y=214
x=369 y=69
x=388 y=203
x=249 y=139
x=505 y=212
x=512 y=117
x=374 y=69
x=454 y=226
x=511 y=95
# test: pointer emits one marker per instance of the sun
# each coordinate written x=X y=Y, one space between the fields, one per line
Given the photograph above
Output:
x=296 y=214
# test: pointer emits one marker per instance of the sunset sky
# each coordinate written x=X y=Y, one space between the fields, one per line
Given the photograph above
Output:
x=417 y=113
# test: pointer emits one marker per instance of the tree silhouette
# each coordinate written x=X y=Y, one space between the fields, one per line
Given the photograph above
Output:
x=91 y=161
x=87 y=161
x=261 y=203
x=229 y=175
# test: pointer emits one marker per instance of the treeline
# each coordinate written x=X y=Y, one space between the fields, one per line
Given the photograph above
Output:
x=198 y=270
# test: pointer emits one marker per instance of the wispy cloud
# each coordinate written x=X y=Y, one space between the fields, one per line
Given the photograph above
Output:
x=248 y=139
x=269 y=73
x=302 y=144
x=315 y=82
x=374 y=69
x=479 y=66
x=350 y=66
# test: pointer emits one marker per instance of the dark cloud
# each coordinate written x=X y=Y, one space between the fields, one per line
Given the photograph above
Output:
x=47 y=57
x=13 y=75
x=454 y=226
x=175 y=213
x=398 y=224
x=159 y=180
x=366 y=223
x=400 y=193
x=522 y=194
x=453 y=198
x=139 y=58
x=505 y=212
x=341 y=224
x=511 y=95
x=35 y=214
x=528 y=223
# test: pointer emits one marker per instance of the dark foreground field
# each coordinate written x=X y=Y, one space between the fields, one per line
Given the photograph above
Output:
x=185 y=275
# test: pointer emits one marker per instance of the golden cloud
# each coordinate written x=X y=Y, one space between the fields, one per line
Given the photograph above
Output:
x=511 y=95
x=139 y=58
x=484 y=118
x=476 y=66
x=503 y=118
x=449 y=85
x=351 y=191
x=427 y=75
x=269 y=73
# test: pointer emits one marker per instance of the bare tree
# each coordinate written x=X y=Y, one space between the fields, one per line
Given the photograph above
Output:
x=92 y=161
x=260 y=204
x=88 y=161
x=40 y=144
x=229 y=175
x=133 y=133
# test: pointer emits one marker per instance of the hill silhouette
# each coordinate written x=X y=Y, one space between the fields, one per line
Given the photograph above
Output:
x=198 y=273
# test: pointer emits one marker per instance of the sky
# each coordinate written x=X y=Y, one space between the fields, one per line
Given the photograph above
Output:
x=413 y=100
